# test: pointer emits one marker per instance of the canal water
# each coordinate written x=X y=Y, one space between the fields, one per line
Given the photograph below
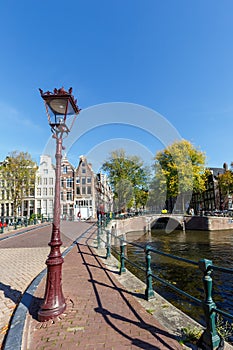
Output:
x=193 y=245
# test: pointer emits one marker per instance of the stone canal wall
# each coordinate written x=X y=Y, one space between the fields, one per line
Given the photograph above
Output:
x=208 y=223
x=139 y=223
x=201 y=223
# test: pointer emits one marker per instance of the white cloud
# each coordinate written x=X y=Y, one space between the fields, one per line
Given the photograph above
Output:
x=10 y=116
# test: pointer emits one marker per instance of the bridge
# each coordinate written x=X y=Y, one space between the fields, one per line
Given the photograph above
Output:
x=172 y=220
x=146 y=222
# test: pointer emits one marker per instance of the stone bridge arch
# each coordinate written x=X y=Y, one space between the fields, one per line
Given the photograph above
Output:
x=171 y=221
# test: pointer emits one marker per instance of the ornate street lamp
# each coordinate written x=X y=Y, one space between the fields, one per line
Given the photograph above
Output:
x=61 y=103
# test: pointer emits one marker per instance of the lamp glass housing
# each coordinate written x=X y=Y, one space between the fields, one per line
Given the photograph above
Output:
x=59 y=103
x=60 y=106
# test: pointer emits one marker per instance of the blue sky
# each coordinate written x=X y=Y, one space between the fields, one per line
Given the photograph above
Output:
x=172 y=56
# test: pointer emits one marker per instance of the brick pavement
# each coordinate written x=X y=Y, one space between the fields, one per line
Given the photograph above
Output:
x=100 y=314
x=22 y=258
x=19 y=266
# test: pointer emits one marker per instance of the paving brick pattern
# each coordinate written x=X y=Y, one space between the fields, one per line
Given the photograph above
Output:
x=100 y=313
x=22 y=258
x=19 y=266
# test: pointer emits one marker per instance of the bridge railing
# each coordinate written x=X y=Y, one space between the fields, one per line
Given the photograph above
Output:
x=210 y=338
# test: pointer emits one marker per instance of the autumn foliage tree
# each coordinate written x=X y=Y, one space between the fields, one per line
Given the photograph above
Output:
x=18 y=176
x=179 y=171
x=129 y=179
x=225 y=182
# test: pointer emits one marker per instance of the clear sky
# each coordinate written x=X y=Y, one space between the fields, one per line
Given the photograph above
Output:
x=172 y=56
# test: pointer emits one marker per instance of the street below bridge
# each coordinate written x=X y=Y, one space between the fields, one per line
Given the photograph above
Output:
x=22 y=258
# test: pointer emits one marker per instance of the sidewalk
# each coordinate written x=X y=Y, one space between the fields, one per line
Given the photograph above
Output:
x=100 y=314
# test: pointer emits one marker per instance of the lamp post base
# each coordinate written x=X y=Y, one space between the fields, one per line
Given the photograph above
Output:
x=48 y=314
x=54 y=301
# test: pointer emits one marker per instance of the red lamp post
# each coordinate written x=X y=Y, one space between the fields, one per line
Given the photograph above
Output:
x=61 y=103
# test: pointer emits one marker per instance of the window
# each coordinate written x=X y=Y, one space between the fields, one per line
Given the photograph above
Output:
x=62 y=182
x=88 y=179
x=38 y=191
x=51 y=191
x=39 y=181
x=45 y=171
x=69 y=182
x=64 y=169
x=62 y=196
x=9 y=183
x=69 y=196
x=77 y=180
x=83 y=164
x=83 y=171
x=45 y=191
x=45 y=181
x=50 y=203
x=39 y=204
x=64 y=209
x=88 y=189
x=7 y=209
x=77 y=190
x=83 y=181
x=51 y=181
x=83 y=190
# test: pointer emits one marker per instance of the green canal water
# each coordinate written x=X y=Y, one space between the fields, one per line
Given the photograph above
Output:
x=193 y=245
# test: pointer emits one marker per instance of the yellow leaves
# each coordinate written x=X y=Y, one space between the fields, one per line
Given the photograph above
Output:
x=4 y=329
x=75 y=329
x=226 y=181
x=183 y=167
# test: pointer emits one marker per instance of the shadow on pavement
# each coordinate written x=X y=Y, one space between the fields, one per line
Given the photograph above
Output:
x=110 y=317
x=10 y=293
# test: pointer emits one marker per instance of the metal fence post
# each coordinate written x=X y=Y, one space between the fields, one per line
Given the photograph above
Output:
x=149 y=292
x=210 y=339
x=98 y=234
x=108 y=245
x=122 y=257
x=100 y=224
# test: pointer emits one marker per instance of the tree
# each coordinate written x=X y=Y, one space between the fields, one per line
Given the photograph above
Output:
x=18 y=177
x=157 y=190
x=129 y=179
x=225 y=183
x=182 y=168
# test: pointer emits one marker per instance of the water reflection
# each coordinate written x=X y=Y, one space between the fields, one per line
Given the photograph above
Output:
x=194 y=245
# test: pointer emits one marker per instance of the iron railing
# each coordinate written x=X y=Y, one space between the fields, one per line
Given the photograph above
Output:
x=210 y=338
